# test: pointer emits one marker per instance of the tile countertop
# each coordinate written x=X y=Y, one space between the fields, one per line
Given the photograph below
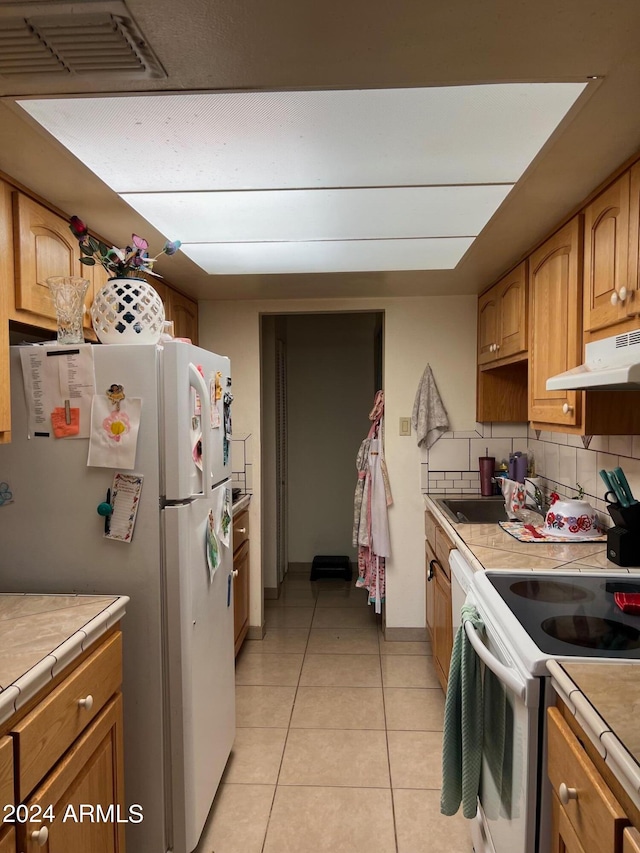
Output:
x=41 y=634
x=240 y=504
x=488 y=546
x=605 y=699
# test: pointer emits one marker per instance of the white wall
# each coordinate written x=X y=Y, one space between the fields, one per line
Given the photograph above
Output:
x=330 y=382
x=439 y=330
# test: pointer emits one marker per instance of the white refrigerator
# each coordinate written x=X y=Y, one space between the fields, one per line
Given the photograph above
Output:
x=179 y=700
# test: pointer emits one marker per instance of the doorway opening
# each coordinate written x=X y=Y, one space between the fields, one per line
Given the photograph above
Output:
x=320 y=373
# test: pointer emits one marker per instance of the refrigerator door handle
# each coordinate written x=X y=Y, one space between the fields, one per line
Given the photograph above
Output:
x=198 y=384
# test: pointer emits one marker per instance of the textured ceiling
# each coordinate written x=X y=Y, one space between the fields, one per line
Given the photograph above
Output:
x=288 y=44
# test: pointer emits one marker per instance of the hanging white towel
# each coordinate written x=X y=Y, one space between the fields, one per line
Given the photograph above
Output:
x=429 y=417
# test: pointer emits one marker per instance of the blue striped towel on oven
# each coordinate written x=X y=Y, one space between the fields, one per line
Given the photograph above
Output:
x=463 y=724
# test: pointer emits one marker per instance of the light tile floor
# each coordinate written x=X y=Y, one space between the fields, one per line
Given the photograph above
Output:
x=338 y=745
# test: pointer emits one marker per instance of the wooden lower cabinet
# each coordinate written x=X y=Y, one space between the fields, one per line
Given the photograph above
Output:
x=438 y=603
x=587 y=816
x=443 y=629
x=631 y=840
x=90 y=774
x=8 y=841
x=241 y=595
x=564 y=838
x=65 y=749
x=241 y=576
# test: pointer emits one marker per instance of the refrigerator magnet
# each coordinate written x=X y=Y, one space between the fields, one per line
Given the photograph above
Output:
x=125 y=498
x=113 y=438
x=214 y=388
x=212 y=546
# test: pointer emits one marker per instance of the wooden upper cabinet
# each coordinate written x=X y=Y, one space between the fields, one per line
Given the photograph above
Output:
x=513 y=312
x=184 y=313
x=44 y=246
x=162 y=289
x=631 y=304
x=606 y=256
x=6 y=291
x=488 y=325
x=502 y=318
x=555 y=280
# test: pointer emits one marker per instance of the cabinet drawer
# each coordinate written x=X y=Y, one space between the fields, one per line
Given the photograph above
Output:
x=6 y=774
x=240 y=530
x=90 y=772
x=594 y=813
x=48 y=731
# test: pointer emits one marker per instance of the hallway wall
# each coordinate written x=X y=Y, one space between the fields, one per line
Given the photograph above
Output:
x=330 y=370
x=417 y=331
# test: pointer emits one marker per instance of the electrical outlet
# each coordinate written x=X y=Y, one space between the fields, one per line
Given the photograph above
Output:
x=405 y=426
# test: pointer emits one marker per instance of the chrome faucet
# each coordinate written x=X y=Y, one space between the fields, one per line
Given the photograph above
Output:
x=537 y=496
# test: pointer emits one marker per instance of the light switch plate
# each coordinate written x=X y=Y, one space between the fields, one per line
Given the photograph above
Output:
x=405 y=426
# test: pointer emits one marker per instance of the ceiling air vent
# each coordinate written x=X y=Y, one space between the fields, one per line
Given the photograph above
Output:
x=79 y=39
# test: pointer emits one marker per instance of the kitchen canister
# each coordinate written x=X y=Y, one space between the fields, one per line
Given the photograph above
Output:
x=517 y=466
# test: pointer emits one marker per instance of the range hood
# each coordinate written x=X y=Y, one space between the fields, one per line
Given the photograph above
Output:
x=610 y=364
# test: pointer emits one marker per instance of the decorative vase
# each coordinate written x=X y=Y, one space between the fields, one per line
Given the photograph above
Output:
x=127 y=311
x=68 y=292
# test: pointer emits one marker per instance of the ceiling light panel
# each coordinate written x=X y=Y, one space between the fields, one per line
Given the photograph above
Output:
x=337 y=256
x=348 y=214
x=264 y=140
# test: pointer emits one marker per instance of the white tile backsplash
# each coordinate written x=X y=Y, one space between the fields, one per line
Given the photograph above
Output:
x=606 y=461
x=509 y=430
x=567 y=465
x=558 y=457
x=621 y=445
x=559 y=437
x=600 y=443
x=551 y=464
x=574 y=440
x=500 y=448
x=587 y=471
x=631 y=468
x=449 y=454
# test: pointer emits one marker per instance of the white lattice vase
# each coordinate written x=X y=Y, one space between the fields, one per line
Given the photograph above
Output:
x=127 y=311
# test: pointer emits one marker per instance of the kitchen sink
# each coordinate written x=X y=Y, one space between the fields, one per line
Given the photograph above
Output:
x=474 y=510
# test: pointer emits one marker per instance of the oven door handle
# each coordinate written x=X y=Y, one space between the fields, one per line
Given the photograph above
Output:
x=504 y=673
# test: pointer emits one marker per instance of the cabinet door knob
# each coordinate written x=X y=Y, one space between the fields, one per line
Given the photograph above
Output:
x=241 y=530
x=86 y=703
x=497 y=346
x=235 y=573
x=567 y=409
x=565 y=793
x=622 y=293
x=614 y=297
x=40 y=836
